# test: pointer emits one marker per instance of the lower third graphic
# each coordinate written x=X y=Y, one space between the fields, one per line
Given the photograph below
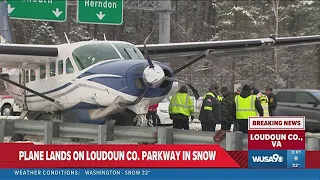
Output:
x=296 y=159
x=267 y=159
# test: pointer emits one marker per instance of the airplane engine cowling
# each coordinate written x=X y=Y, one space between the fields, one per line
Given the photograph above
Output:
x=153 y=76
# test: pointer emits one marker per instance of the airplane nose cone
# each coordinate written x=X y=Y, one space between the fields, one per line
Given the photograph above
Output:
x=153 y=76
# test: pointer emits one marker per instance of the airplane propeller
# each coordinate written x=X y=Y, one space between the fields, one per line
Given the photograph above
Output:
x=155 y=75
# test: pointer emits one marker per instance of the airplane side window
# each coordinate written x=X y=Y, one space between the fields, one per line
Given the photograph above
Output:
x=60 y=67
x=42 y=71
x=52 y=69
x=69 y=67
x=32 y=75
x=27 y=76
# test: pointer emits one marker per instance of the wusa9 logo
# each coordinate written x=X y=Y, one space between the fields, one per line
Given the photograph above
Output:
x=267 y=159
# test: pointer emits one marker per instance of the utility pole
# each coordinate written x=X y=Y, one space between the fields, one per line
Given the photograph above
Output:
x=5 y=27
x=164 y=21
x=163 y=7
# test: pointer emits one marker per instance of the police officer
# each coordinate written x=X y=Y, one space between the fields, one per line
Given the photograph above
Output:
x=210 y=112
x=272 y=101
x=246 y=105
x=181 y=108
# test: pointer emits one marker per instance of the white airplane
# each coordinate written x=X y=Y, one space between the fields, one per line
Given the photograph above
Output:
x=107 y=78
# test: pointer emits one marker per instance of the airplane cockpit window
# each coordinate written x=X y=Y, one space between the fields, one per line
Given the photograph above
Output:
x=90 y=54
x=42 y=71
x=128 y=51
x=32 y=75
x=27 y=76
x=60 y=67
x=52 y=69
x=69 y=67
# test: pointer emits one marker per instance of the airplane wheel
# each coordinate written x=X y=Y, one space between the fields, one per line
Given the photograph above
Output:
x=6 y=110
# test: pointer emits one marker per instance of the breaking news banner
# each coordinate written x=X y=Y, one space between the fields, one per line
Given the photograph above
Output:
x=25 y=155
x=29 y=161
x=276 y=142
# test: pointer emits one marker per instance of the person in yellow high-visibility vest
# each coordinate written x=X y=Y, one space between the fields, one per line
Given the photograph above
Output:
x=264 y=103
x=246 y=105
x=181 y=108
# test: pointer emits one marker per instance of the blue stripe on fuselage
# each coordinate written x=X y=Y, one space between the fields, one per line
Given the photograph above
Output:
x=128 y=70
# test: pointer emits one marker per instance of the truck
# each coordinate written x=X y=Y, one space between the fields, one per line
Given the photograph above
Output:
x=9 y=107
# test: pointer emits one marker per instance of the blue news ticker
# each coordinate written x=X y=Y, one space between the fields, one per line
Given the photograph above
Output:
x=276 y=159
x=161 y=173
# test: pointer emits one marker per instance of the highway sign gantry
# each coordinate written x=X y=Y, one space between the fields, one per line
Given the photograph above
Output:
x=100 y=12
x=41 y=10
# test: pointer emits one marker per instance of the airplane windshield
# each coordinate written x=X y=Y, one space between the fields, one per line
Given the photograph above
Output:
x=128 y=51
x=88 y=55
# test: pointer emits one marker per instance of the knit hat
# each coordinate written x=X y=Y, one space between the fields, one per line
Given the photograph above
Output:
x=255 y=91
x=246 y=88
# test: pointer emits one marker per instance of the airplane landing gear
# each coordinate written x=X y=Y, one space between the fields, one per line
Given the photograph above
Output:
x=141 y=120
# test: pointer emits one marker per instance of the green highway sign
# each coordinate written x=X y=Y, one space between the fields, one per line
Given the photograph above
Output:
x=41 y=10
x=100 y=11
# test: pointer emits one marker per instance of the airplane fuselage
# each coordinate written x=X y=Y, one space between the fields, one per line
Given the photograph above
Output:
x=89 y=75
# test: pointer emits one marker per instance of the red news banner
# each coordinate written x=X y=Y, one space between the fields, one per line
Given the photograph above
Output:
x=25 y=155
x=280 y=133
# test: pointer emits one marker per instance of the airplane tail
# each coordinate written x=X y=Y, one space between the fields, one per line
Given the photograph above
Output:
x=6 y=35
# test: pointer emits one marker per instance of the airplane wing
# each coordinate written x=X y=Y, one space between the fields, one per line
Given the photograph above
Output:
x=26 y=56
x=223 y=48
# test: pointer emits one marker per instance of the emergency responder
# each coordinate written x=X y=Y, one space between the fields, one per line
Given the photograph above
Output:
x=210 y=112
x=246 y=105
x=264 y=103
x=272 y=101
x=152 y=114
x=181 y=108
x=227 y=109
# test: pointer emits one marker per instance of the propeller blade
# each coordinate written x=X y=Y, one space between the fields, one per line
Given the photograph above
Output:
x=118 y=105
x=194 y=90
x=146 y=51
x=140 y=97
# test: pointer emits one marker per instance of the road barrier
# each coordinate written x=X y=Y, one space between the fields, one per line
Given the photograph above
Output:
x=110 y=134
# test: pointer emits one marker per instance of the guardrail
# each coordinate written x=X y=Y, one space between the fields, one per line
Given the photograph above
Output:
x=106 y=134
